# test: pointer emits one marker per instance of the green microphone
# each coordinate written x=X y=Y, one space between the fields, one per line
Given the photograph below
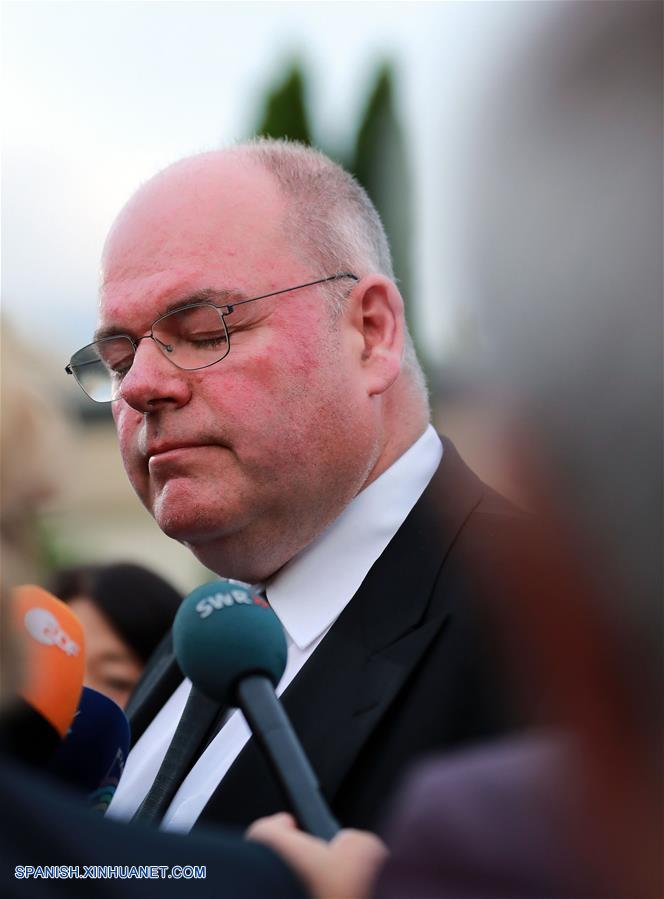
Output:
x=252 y=637
x=231 y=645
x=224 y=631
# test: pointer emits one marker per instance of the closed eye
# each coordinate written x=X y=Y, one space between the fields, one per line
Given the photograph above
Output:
x=203 y=342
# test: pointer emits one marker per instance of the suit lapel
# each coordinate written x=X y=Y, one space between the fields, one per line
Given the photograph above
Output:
x=350 y=681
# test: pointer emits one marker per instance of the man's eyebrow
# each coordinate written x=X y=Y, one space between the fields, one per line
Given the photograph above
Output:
x=216 y=296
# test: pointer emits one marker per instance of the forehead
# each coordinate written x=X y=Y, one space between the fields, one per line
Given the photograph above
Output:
x=210 y=222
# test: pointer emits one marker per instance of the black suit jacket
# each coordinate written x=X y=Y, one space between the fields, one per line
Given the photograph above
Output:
x=407 y=668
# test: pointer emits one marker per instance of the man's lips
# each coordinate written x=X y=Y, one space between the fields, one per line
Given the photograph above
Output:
x=166 y=450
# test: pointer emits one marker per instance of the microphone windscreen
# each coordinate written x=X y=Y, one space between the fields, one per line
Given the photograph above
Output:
x=224 y=631
x=54 y=658
x=92 y=756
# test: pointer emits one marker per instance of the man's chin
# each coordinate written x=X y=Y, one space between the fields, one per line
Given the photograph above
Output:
x=189 y=528
x=187 y=518
x=219 y=544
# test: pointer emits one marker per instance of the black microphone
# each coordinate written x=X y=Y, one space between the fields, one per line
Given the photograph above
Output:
x=200 y=713
x=231 y=645
x=188 y=741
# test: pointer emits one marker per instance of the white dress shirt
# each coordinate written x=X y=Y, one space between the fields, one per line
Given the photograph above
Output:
x=307 y=594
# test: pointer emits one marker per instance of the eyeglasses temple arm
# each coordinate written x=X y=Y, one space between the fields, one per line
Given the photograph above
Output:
x=229 y=308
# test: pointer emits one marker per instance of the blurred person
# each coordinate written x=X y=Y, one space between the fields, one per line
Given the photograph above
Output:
x=31 y=422
x=33 y=445
x=571 y=292
x=44 y=825
x=273 y=417
x=126 y=611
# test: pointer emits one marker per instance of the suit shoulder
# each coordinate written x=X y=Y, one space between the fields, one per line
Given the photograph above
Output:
x=495 y=522
x=494 y=505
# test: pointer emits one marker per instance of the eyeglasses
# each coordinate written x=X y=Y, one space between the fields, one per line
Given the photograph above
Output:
x=192 y=337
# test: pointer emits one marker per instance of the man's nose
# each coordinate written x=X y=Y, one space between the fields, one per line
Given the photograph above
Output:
x=153 y=381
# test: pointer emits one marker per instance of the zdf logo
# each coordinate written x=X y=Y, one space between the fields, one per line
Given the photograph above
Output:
x=44 y=627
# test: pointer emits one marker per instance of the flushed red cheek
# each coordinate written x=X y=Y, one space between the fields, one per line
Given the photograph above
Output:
x=258 y=381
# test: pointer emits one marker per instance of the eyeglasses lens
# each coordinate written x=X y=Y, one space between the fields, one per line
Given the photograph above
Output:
x=191 y=338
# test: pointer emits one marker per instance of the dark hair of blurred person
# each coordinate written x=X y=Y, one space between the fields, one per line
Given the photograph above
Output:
x=125 y=611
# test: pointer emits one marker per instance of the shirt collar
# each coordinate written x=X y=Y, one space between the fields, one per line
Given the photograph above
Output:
x=313 y=588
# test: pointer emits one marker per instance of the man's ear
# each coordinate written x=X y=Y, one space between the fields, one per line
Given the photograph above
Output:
x=378 y=319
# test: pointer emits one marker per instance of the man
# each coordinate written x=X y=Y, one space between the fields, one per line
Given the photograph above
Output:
x=273 y=417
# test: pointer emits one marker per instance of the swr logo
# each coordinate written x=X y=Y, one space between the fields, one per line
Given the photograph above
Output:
x=205 y=607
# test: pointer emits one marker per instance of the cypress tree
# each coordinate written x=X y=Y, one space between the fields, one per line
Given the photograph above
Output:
x=284 y=112
x=380 y=164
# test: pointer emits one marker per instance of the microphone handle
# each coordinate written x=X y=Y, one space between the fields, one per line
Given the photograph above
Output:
x=198 y=716
x=274 y=732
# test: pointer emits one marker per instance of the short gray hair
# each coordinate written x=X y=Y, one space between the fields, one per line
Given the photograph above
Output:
x=331 y=217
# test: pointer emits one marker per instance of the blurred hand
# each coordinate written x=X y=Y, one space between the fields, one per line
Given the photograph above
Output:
x=344 y=868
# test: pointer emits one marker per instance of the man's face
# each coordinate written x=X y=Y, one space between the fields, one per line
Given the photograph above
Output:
x=248 y=460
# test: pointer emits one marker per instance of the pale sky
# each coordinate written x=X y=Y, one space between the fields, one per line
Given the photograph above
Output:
x=97 y=96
